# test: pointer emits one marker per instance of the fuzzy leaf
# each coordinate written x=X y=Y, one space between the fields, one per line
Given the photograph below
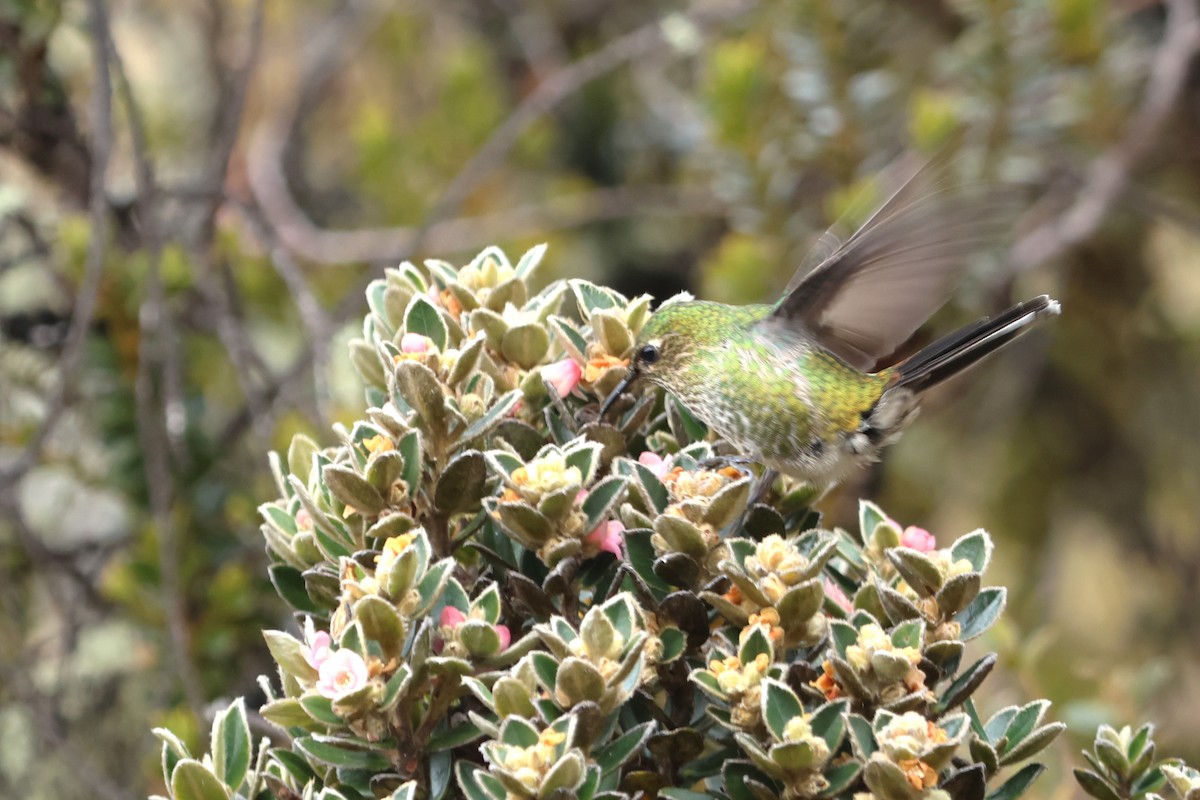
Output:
x=601 y=498
x=352 y=489
x=1017 y=785
x=982 y=612
x=975 y=547
x=423 y=318
x=917 y=569
x=614 y=754
x=231 y=744
x=965 y=684
x=191 y=780
x=462 y=483
x=779 y=706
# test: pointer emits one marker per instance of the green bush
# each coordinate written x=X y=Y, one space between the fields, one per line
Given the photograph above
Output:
x=503 y=596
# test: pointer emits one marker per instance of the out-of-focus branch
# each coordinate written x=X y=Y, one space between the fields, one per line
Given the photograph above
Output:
x=89 y=290
x=47 y=729
x=468 y=233
x=1110 y=173
x=300 y=235
x=152 y=397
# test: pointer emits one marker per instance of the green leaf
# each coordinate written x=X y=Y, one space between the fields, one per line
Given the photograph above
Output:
x=840 y=777
x=320 y=708
x=231 y=744
x=336 y=755
x=908 y=634
x=1024 y=722
x=829 y=722
x=975 y=547
x=612 y=755
x=462 y=483
x=449 y=738
x=518 y=732
x=862 y=736
x=191 y=780
x=476 y=784
x=779 y=706
x=525 y=345
x=352 y=489
x=289 y=584
x=982 y=612
x=590 y=297
x=1032 y=744
x=285 y=649
x=1094 y=785
x=430 y=587
x=174 y=751
x=410 y=447
x=601 y=498
x=422 y=391
x=381 y=623
x=530 y=261
x=683 y=423
x=570 y=339
x=423 y=318
x=869 y=515
x=1016 y=786
x=566 y=775
x=966 y=683
x=917 y=569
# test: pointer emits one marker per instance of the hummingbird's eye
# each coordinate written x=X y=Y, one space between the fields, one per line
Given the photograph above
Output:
x=648 y=354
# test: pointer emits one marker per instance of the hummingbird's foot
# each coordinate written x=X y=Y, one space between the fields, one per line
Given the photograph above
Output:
x=717 y=462
x=761 y=487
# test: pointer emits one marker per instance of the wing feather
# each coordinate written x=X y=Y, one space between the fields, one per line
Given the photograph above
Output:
x=872 y=292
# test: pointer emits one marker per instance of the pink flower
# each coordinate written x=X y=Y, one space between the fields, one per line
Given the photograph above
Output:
x=304 y=520
x=415 y=343
x=654 y=462
x=562 y=375
x=451 y=617
x=918 y=539
x=316 y=648
x=835 y=593
x=342 y=673
x=607 y=538
x=505 y=636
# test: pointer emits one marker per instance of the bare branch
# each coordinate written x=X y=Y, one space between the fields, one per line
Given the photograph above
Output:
x=300 y=235
x=154 y=334
x=1110 y=173
x=89 y=290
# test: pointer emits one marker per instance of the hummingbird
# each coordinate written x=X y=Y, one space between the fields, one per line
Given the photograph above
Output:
x=809 y=386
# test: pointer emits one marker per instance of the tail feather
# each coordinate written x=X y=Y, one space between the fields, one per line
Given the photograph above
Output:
x=953 y=353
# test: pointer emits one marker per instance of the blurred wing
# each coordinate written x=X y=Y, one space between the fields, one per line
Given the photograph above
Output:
x=869 y=295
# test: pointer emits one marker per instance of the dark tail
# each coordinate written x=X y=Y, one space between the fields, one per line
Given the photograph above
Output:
x=953 y=353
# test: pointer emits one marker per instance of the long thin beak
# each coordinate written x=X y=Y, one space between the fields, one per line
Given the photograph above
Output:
x=629 y=378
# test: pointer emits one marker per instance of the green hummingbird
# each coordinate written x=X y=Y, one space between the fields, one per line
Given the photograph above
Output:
x=805 y=386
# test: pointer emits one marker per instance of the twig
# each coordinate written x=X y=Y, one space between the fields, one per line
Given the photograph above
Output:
x=299 y=234
x=89 y=290
x=312 y=314
x=154 y=331
x=1110 y=173
x=388 y=245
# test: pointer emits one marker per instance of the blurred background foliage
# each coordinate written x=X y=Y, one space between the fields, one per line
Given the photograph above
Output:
x=189 y=214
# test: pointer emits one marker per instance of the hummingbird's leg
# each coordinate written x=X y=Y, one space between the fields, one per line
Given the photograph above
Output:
x=765 y=482
x=716 y=462
x=761 y=487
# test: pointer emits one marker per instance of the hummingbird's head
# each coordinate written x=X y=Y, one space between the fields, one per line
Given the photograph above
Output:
x=669 y=340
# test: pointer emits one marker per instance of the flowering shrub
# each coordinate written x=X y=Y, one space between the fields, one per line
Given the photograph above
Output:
x=504 y=597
